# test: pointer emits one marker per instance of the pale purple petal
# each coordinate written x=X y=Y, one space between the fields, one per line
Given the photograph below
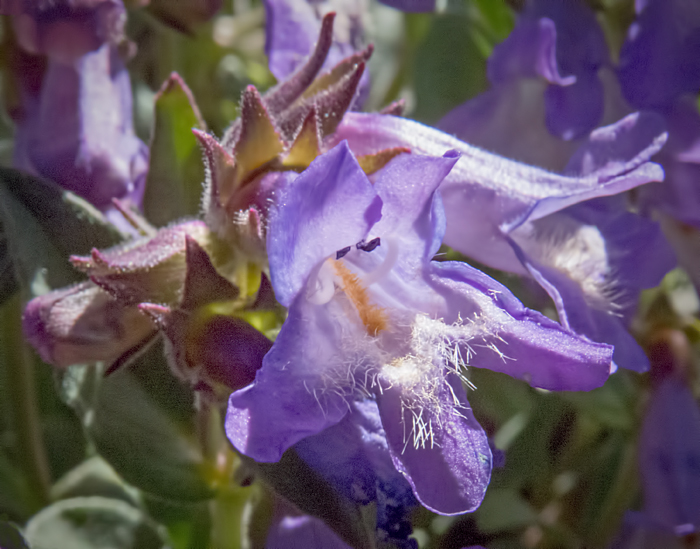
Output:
x=529 y=51
x=518 y=341
x=679 y=194
x=637 y=252
x=353 y=456
x=486 y=195
x=411 y=5
x=330 y=206
x=65 y=30
x=406 y=187
x=302 y=532
x=572 y=111
x=287 y=401
x=619 y=147
x=450 y=471
x=509 y=119
x=292 y=530
x=563 y=45
x=80 y=134
x=581 y=44
x=576 y=314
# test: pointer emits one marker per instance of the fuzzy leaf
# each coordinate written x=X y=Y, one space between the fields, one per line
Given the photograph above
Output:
x=175 y=174
x=42 y=224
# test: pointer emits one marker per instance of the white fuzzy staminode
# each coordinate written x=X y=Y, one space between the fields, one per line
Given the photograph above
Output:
x=384 y=348
x=436 y=350
x=575 y=249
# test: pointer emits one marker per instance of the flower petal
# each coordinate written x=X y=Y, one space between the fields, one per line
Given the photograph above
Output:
x=660 y=60
x=353 y=456
x=450 y=471
x=486 y=194
x=417 y=6
x=80 y=134
x=576 y=314
x=330 y=206
x=518 y=341
x=529 y=50
x=406 y=186
x=288 y=400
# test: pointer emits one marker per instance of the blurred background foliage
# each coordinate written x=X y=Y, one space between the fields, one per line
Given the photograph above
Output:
x=124 y=461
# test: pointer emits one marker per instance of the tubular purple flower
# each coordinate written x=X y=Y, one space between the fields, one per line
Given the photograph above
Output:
x=411 y=5
x=371 y=316
x=292 y=530
x=76 y=128
x=550 y=61
x=669 y=458
x=659 y=70
x=500 y=212
x=660 y=60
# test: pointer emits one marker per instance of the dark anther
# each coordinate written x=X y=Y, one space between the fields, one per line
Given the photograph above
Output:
x=342 y=253
x=368 y=246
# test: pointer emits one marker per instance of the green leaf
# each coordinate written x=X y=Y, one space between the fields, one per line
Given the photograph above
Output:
x=144 y=427
x=504 y=509
x=42 y=225
x=74 y=224
x=613 y=405
x=92 y=523
x=449 y=69
x=188 y=524
x=176 y=171
x=10 y=537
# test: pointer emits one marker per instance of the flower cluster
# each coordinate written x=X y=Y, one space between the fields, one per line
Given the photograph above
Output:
x=326 y=344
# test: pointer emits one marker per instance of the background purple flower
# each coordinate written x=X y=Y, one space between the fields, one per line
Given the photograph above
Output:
x=545 y=72
x=75 y=126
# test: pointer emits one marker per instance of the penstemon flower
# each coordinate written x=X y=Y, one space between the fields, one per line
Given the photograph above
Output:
x=74 y=121
x=371 y=316
x=519 y=218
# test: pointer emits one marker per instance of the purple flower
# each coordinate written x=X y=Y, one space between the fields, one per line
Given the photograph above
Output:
x=293 y=530
x=292 y=27
x=660 y=60
x=660 y=70
x=669 y=458
x=371 y=316
x=75 y=127
x=544 y=73
x=65 y=30
x=668 y=453
x=411 y=5
x=353 y=457
x=82 y=324
x=517 y=218
x=547 y=93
